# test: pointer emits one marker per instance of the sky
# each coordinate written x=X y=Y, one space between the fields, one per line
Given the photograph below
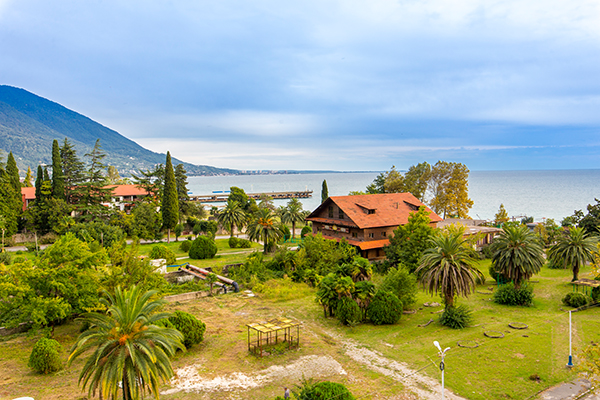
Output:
x=322 y=85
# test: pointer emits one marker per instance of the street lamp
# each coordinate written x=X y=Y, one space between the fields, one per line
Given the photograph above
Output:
x=442 y=354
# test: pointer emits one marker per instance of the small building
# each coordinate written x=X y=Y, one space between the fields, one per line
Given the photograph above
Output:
x=366 y=221
x=474 y=227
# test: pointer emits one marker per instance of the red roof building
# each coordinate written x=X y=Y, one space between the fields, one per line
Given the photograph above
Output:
x=366 y=221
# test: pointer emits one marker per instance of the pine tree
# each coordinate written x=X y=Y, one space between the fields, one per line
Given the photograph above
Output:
x=94 y=188
x=39 y=179
x=324 y=191
x=58 y=180
x=73 y=172
x=28 y=178
x=169 y=205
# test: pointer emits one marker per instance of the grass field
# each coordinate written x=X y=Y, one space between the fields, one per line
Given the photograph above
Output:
x=496 y=369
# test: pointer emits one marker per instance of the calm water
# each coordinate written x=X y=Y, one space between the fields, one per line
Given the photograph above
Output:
x=541 y=194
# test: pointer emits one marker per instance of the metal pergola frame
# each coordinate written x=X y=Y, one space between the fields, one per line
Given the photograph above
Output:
x=272 y=332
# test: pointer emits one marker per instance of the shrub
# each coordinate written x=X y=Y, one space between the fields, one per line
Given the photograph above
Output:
x=253 y=271
x=575 y=300
x=190 y=327
x=348 y=312
x=596 y=293
x=385 y=308
x=203 y=248
x=508 y=295
x=233 y=242
x=554 y=265
x=305 y=230
x=403 y=284
x=456 y=317
x=162 y=251
x=185 y=245
x=495 y=275
x=45 y=356
x=287 y=234
x=48 y=238
x=5 y=258
x=322 y=391
x=486 y=252
x=244 y=244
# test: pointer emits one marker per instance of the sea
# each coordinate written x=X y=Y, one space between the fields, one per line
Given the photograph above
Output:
x=541 y=194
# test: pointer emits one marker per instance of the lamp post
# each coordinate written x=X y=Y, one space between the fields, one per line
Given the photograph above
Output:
x=442 y=354
x=570 y=363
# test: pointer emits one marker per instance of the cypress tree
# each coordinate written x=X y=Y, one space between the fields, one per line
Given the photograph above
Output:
x=324 y=192
x=73 y=172
x=39 y=180
x=7 y=204
x=170 y=204
x=58 y=180
x=28 y=178
x=13 y=175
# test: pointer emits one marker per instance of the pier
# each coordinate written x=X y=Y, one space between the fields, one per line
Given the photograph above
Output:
x=222 y=197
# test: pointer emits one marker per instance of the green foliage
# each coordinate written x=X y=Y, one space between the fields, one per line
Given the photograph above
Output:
x=574 y=249
x=233 y=242
x=324 y=191
x=410 y=241
x=253 y=271
x=305 y=231
x=310 y=390
x=449 y=183
x=385 y=308
x=348 y=312
x=202 y=248
x=501 y=216
x=58 y=180
x=185 y=245
x=518 y=253
x=146 y=221
x=5 y=258
x=591 y=221
x=510 y=295
x=596 y=294
x=401 y=283
x=292 y=213
x=456 y=317
x=98 y=231
x=190 y=327
x=496 y=275
x=134 y=350
x=45 y=356
x=575 y=300
x=162 y=251
x=264 y=227
x=169 y=207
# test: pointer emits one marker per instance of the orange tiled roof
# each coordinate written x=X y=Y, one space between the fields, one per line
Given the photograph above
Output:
x=127 y=190
x=374 y=210
x=28 y=193
x=363 y=245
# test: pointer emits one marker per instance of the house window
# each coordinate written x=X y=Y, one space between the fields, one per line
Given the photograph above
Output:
x=341 y=214
x=330 y=211
x=384 y=234
x=354 y=234
x=371 y=235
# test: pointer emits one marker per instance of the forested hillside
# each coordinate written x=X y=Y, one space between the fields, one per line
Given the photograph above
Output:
x=29 y=124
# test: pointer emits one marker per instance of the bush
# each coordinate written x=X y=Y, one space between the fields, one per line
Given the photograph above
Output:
x=456 y=317
x=403 y=284
x=162 y=251
x=5 y=258
x=554 y=265
x=596 y=293
x=233 y=242
x=305 y=230
x=495 y=275
x=486 y=252
x=575 y=300
x=322 y=391
x=45 y=356
x=385 y=308
x=203 y=248
x=253 y=271
x=185 y=245
x=348 y=312
x=48 y=238
x=244 y=244
x=508 y=295
x=190 y=327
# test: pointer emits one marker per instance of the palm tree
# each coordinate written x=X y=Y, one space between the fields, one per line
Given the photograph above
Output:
x=448 y=267
x=575 y=249
x=232 y=215
x=517 y=253
x=131 y=351
x=292 y=213
x=264 y=227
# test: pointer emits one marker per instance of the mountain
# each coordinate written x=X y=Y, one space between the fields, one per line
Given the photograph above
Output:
x=29 y=123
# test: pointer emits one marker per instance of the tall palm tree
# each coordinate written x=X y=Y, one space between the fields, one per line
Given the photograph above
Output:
x=448 y=267
x=130 y=350
x=517 y=253
x=292 y=213
x=574 y=249
x=264 y=227
x=232 y=216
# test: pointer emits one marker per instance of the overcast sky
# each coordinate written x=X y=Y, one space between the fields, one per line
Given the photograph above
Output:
x=340 y=85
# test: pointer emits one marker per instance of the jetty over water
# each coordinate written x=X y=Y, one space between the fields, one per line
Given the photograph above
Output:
x=222 y=197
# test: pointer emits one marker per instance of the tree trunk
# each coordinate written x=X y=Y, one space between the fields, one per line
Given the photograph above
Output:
x=449 y=300
x=575 y=272
x=168 y=235
x=293 y=229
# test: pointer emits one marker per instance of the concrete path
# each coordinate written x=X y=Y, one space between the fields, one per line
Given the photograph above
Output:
x=576 y=390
